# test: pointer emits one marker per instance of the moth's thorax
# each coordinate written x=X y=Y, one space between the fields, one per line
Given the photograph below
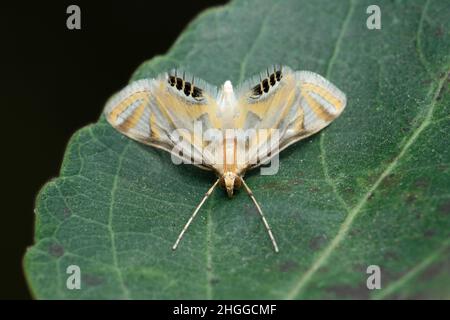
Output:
x=230 y=181
x=227 y=103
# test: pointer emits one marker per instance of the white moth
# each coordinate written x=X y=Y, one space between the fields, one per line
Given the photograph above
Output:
x=294 y=104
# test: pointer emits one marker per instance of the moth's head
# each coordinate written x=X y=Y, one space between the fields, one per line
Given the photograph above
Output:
x=227 y=97
x=230 y=181
x=228 y=87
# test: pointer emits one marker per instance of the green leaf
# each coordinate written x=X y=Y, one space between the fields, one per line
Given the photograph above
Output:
x=371 y=189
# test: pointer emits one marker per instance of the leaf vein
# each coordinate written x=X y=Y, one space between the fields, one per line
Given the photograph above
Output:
x=110 y=221
x=345 y=226
x=414 y=271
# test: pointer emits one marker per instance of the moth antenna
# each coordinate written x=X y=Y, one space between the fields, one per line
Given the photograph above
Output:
x=194 y=214
x=266 y=224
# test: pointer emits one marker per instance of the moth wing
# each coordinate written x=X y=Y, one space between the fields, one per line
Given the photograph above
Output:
x=320 y=101
x=156 y=113
x=300 y=104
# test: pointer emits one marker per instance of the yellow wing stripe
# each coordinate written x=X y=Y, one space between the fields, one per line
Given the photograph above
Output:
x=317 y=108
x=287 y=103
x=133 y=119
x=173 y=108
x=327 y=95
x=299 y=122
x=121 y=107
x=154 y=130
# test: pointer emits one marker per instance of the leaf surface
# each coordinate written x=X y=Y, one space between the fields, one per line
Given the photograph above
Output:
x=371 y=189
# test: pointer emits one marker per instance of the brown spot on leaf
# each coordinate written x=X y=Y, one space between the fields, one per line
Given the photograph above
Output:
x=390 y=180
x=432 y=271
x=317 y=242
x=341 y=291
x=439 y=32
x=288 y=265
x=214 y=281
x=421 y=183
x=429 y=233
x=314 y=189
x=66 y=212
x=92 y=280
x=391 y=255
x=349 y=190
x=444 y=208
x=56 y=250
x=324 y=269
x=416 y=296
x=277 y=185
x=400 y=296
x=425 y=81
x=296 y=181
x=410 y=198
x=439 y=96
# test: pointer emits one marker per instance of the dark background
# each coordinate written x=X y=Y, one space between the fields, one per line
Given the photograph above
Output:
x=55 y=81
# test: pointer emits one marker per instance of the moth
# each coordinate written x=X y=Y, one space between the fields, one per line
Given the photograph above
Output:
x=294 y=104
